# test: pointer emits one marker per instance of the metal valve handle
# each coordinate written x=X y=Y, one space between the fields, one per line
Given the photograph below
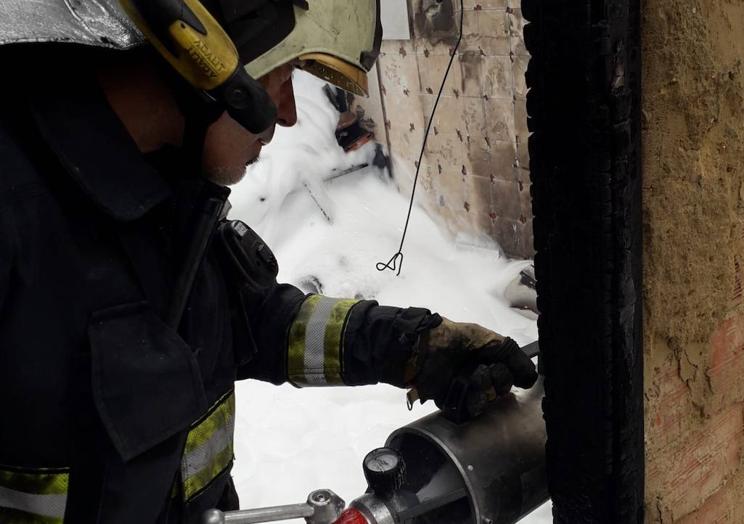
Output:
x=323 y=506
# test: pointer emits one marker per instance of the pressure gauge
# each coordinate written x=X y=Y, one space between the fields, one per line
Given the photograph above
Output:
x=384 y=470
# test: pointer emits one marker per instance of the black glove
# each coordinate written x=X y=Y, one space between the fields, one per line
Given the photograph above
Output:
x=486 y=362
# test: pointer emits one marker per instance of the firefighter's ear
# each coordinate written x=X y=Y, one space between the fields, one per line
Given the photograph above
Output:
x=186 y=34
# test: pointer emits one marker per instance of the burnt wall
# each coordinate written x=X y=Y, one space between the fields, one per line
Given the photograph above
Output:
x=475 y=172
x=693 y=184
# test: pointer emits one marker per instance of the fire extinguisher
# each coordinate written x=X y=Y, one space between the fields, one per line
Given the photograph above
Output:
x=440 y=469
x=352 y=516
x=488 y=470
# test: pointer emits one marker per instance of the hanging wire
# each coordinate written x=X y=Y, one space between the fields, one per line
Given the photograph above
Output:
x=396 y=262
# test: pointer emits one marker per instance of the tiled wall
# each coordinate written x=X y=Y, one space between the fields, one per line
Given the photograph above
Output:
x=475 y=172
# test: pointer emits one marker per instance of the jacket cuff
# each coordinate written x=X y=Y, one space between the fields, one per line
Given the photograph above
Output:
x=379 y=342
x=315 y=343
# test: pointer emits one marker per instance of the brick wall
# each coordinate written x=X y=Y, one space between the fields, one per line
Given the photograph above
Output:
x=475 y=172
x=693 y=183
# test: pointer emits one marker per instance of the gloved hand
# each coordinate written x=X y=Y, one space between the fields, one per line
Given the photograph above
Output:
x=489 y=363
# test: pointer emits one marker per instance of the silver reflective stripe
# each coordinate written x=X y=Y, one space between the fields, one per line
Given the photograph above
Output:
x=204 y=455
x=209 y=447
x=315 y=342
x=43 y=505
x=316 y=339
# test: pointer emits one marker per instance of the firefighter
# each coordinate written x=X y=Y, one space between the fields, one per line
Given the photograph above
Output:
x=129 y=303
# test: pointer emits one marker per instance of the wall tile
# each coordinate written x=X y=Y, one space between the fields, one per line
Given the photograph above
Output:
x=522 y=176
x=506 y=199
x=485 y=4
x=469 y=24
x=472 y=72
x=516 y=32
x=488 y=45
x=519 y=69
x=450 y=153
x=478 y=203
x=500 y=120
x=492 y=4
x=431 y=72
x=475 y=119
x=498 y=77
x=399 y=70
x=448 y=118
x=501 y=164
x=493 y=22
x=525 y=201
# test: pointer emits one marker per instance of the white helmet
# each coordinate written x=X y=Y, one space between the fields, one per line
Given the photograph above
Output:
x=337 y=41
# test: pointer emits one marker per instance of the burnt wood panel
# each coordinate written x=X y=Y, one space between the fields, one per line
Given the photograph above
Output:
x=584 y=115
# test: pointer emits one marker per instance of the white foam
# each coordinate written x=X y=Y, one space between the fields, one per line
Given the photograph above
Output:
x=288 y=441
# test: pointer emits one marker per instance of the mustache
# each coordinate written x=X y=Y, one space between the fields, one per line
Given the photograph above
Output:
x=253 y=160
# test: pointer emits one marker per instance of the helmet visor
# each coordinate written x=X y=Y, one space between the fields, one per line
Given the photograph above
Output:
x=336 y=71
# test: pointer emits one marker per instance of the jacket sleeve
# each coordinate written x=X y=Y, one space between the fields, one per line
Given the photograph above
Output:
x=314 y=340
x=378 y=342
x=269 y=316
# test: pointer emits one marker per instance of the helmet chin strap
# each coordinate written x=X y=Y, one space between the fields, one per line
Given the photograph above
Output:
x=199 y=113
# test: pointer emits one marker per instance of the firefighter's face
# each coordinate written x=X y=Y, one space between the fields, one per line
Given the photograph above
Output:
x=229 y=147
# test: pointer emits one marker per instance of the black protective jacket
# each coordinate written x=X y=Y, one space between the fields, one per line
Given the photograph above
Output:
x=101 y=399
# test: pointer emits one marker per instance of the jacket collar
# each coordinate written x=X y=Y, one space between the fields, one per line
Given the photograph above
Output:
x=96 y=150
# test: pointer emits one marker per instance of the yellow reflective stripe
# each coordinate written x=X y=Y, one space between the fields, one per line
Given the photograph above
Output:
x=315 y=348
x=216 y=418
x=33 y=496
x=209 y=446
x=334 y=333
x=39 y=482
x=296 y=349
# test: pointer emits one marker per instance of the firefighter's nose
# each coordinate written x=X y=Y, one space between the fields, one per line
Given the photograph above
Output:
x=286 y=108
